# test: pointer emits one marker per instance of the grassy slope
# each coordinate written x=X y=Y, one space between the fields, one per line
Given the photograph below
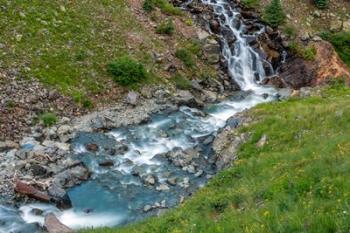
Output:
x=297 y=182
x=67 y=44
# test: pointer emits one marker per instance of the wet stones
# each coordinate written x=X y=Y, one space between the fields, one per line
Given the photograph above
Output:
x=172 y=181
x=163 y=187
x=150 y=180
x=92 y=147
x=28 y=190
x=147 y=208
x=106 y=163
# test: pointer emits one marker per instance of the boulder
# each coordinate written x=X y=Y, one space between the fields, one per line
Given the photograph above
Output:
x=92 y=147
x=53 y=225
x=163 y=187
x=63 y=133
x=214 y=26
x=132 y=98
x=147 y=208
x=184 y=97
x=28 y=190
x=262 y=142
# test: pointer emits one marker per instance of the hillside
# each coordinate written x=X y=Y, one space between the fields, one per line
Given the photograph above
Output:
x=56 y=54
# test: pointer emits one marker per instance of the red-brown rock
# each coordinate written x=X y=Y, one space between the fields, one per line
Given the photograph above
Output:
x=53 y=225
x=30 y=191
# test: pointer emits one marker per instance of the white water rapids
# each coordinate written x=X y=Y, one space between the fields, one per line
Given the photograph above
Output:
x=146 y=141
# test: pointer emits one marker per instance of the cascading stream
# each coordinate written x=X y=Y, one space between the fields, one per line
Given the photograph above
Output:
x=117 y=195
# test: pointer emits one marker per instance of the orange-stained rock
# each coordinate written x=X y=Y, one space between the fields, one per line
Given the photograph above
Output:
x=327 y=65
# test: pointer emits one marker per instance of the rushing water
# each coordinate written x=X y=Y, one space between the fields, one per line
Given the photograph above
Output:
x=117 y=194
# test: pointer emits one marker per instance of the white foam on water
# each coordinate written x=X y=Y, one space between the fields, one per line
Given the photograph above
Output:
x=70 y=218
x=79 y=149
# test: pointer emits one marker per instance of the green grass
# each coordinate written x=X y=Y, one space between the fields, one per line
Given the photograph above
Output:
x=185 y=56
x=67 y=44
x=166 y=27
x=181 y=82
x=297 y=182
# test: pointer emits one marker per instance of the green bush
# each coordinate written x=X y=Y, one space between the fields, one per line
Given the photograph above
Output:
x=126 y=71
x=341 y=43
x=48 y=119
x=185 y=56
x=322 y=4
x=307 y=53
x=163 y=5
x=181 y=82
x=166 y=27
x=274 y=14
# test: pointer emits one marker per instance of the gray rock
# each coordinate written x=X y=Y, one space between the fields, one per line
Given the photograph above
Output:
x=63 y=133
x=150 y=180
x=172 y=180
x=163 y=187
x=147 y=208
x=132 y=98
x=209 y=96
x=262 y=142
x=202 y=35
x=199 y=173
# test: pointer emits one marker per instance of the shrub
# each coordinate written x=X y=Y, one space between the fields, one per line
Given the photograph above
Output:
x=148 y=6
x=322 y=4
x=181 y=82
x=274 y=14
x=126 y=71
x=166 y=27
x=163 y=5
x=185 y=56
x=48 y=119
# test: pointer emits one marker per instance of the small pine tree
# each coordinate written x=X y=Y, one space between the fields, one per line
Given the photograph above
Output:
x=322 y=4
x=274 y=14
